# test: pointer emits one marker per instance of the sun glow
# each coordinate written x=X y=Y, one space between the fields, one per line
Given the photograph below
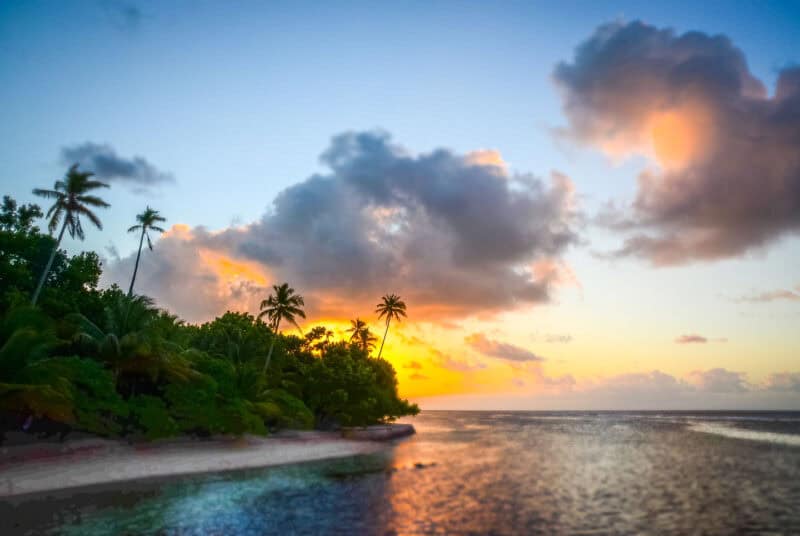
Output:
x=231 y=270
x=679 y=136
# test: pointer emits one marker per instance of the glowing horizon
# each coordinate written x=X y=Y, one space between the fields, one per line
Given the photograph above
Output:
x=578 y=208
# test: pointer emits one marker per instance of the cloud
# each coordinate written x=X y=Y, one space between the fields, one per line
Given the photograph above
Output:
x=413 y=365
x=208 y=283
x=417 y=376
x=652 y=383
x=726 y=178
x=783 y=382
x=691 y=339
x=769 y=296
x=500 y=350
x=453 y=236
x=445 y=361
x=104 y=161
x=654 y=390
x=718 y=380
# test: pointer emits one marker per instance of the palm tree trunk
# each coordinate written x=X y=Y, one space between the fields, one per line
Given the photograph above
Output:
x=49 y=264
x=385 y=333
x=271 y=347
x=136 y=266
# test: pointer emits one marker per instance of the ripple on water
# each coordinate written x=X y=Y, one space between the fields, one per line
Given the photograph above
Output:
x=479 y=473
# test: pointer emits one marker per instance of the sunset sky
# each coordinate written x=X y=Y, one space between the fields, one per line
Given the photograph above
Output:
x=583 y=205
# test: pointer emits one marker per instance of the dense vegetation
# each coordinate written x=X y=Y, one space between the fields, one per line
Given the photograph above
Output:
x=110 y=363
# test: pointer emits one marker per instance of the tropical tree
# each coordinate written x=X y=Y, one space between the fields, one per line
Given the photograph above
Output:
x=26 y=336
x=284 y=304
x=148 y=220
x=128 y=343
x=356 y=327
x=390 y=307
x=361 y=335
x=367 y=340
x=318 y=338
x=72 y=200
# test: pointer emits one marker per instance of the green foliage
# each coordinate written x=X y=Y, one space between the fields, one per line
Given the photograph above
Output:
x=112 y=364
x=71 y=283
x=353 y=390
x=282 y=410
x=26 y=336
x=152 y=417
x=97 y=406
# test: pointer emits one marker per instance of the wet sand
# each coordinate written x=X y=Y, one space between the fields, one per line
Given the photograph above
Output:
x=40 y=468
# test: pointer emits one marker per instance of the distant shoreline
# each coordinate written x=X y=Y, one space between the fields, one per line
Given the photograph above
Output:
x=40 y=468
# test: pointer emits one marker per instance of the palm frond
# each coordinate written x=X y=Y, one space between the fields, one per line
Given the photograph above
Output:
x=56 y=206
x=92 y=217
x=92 y=200
x=48 y=194
x=52 y=225
x=91 y=185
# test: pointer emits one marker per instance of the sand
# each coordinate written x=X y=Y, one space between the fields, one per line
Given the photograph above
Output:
x=41 y=468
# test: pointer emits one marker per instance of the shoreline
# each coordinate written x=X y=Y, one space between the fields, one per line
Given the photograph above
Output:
x=32 y=470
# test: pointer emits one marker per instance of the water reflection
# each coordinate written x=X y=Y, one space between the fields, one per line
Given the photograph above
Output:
x=468 y=473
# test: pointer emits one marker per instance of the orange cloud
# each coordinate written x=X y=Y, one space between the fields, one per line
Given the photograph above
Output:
x=680 y=136
x=726 y=150
x=231 y=270
x=487 y=157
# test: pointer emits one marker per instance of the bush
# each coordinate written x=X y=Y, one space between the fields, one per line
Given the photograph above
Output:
x=151 y=417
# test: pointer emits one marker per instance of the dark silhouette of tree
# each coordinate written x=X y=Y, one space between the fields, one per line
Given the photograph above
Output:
x=318 y=339
x=148 y=220
x=361 y=335
x=390 y=307
x=72 y=200
x=284 y=304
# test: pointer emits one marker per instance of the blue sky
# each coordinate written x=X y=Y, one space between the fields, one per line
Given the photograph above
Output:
x=238 y=99
x=253 y=91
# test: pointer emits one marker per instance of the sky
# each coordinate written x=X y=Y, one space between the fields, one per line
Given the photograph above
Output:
x=585 y=205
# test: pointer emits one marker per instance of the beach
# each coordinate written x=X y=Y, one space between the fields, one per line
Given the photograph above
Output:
x=46 y=467
x=461 y=473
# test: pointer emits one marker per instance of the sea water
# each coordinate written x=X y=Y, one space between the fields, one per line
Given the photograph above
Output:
x=481 y=473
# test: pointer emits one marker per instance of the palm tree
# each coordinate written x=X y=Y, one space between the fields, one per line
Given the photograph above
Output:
x=361 y=335
x=356 y=327
x=391 y=307
x=284 y=304
x=367 y=340
x=27 y=380
x=71 y=201
x=127 y=342
x=147 y=221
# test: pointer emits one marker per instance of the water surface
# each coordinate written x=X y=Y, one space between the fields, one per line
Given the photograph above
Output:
x=482 y=473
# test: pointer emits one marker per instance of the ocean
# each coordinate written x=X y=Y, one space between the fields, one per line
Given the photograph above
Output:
x=482 y=473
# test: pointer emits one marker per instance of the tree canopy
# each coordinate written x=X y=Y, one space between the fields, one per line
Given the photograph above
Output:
x=113 y=364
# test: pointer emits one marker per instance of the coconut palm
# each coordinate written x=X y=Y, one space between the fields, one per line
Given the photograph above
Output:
x=367 y=340
x=391 y=307
x=26 y=338
x=127 y=343
x=72 y=200
x=148 y=221
x=284 y=304
x=361 y=335
x=356 y=327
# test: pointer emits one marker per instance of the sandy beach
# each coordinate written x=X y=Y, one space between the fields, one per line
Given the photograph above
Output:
x=50 y=467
